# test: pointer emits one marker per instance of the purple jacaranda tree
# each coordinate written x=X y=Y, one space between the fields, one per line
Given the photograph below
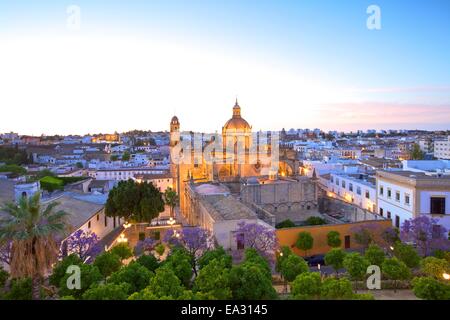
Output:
x=257 y=236
x=148 y=244
x=195 y=240
x=5 y=252
x=426 y=234
x=83 y=244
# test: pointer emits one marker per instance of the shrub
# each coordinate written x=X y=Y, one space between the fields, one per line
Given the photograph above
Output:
x=3 y=277
x=429 y=288
x=51 y=184
x=315 y=221
x=292 y=266
x=334 y=289
x=395 y=269
x=285 y=224
x=435 y=267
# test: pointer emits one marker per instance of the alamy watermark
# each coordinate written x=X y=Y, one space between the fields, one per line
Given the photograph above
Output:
x=73 y=21
x=374 y=19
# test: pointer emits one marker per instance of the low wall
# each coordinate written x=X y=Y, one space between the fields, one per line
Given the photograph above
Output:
x=288 y=236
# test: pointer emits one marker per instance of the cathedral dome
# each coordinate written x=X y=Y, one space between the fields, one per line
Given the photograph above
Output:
x=237 y=123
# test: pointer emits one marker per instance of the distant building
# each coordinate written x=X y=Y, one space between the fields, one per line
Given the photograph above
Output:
x=442 y=148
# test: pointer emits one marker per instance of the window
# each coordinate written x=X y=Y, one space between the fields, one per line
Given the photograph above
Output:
x=347 y=242
x=350 y=186
x=367 y=194
x=397 y=221
x=397 y=195
x=389 y=214
x=106 y=221
x=381 y=211
x=332 y=179
x=389 y=193
x=437 y=205
x=337 y=181
x=89 y=224
x=407 y=199
x=343 y=183
x=381 y=190
x=358 y=190
x=98 y=217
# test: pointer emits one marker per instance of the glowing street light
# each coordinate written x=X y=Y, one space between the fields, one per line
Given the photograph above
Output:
x=126 y=225
x=122 y=238
x=446 y=276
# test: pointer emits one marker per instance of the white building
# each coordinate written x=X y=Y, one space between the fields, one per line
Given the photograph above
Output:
x=123 y=173
x=160 y=181
x=358 y=189
x=403 y=195
x=442 y=148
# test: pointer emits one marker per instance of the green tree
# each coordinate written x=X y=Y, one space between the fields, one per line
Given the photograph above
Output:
x=306 y=286
x=434 y=267
x=284 y=252
x=356 y=266
x=122 y=250
x=139 y=202
x=109 y=291
x=135 y=275
x=336 y=289
x=214 y=280
x=126 y=156
x=305 y=241
x=51 y=184
x=163 y=285
x=375 y=255
x=407 y=254
x=114 y=157
x=249 y=281
x=429 y=288
x=107 y=263
x=148 y=261
x=217 y=253
x=33 y=231
x=416 y=153
x=59 y=271
x=160 y=249
x=335 y=258
x=45 y=173
x=395 y=270
x=14 y=169
x=292 y=266
x=79 y=165
x=89 y=276
x=179 y=261
x=334 y=239
x=252 y=257
x=171 y=199
x=3 y=277
x=21 y=289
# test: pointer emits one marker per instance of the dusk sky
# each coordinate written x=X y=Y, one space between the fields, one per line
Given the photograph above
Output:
x=292 y=64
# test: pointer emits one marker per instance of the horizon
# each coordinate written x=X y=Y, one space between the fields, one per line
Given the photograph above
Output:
x=291 y=65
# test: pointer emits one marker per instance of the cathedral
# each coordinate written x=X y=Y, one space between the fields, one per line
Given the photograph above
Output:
x=235 y=154
x=234 y=176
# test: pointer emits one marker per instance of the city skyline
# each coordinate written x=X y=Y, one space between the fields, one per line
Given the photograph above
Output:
x=135 y=66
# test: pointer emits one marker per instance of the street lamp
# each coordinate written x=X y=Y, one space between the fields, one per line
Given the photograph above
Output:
x=126 y=225
x=446 y=276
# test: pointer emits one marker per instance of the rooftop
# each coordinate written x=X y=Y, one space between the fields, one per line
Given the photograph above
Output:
x=227 y=207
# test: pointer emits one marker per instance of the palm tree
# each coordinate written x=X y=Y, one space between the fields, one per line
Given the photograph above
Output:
x=33 y=232
x=171 y=199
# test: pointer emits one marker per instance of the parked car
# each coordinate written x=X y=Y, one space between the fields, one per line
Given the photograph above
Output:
x=315 y=260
